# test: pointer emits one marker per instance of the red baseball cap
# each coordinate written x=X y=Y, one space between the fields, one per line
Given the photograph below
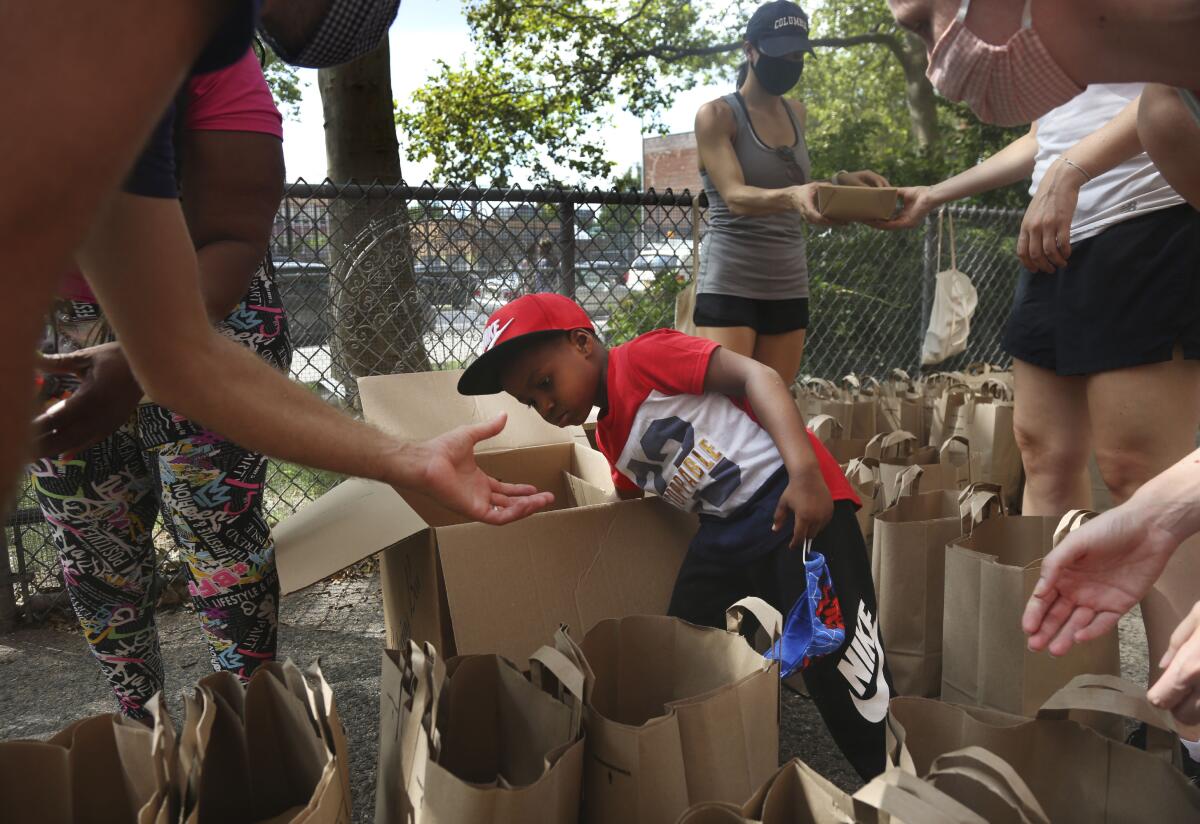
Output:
x=528 y=317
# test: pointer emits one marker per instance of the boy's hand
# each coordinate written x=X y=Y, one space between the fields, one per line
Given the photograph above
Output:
x=808 y=499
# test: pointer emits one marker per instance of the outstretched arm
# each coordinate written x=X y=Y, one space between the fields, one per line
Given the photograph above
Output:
x=1109 y=564
x=1012 y=163
x=185 y=365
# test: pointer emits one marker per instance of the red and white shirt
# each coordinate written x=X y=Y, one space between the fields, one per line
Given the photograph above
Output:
x=701 y=451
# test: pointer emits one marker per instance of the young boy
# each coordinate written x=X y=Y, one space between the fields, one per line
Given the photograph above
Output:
x=715 y=433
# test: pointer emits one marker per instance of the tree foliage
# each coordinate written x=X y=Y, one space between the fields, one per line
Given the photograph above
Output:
x=283 y=81
x=536 y=90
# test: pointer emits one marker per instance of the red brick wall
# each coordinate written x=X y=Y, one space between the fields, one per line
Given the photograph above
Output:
x=669 y=161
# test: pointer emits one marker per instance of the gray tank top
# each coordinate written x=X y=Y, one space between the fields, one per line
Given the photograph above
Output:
x=756 y=256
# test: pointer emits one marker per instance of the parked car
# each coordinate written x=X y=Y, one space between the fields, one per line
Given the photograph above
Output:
x=657 y=259
x=444 y=283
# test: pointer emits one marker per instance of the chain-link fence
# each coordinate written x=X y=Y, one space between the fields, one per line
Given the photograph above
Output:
x=382 y=279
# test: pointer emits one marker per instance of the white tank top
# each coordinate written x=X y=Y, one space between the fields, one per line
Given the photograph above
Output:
x=1133 y=188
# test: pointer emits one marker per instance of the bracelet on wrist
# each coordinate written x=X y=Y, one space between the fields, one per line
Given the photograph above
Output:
x=1076 y=167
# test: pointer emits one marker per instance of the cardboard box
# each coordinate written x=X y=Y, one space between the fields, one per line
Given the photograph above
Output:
x=856 y=202
x=473 y=588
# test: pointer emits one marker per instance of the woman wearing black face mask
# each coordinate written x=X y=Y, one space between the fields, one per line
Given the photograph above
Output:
x=752 y=288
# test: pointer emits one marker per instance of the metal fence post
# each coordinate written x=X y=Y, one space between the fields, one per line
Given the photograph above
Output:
x=566 y=244
x=928 y=277
x=8 y=601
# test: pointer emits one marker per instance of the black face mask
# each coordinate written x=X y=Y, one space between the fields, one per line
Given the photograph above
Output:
x=776 y=74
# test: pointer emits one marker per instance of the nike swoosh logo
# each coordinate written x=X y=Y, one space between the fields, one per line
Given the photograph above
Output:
x=862 y=667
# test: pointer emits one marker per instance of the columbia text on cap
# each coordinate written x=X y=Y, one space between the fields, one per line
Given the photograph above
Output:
x=778 y=28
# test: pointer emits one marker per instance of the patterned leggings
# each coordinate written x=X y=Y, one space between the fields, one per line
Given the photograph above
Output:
x=104 y=501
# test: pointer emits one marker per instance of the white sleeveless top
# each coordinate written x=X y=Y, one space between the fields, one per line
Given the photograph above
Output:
x=1133 y=188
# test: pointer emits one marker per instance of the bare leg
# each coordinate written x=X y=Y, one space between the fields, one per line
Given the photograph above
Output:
x=1050 y=421
x=119 y=64
x=738 y=339
x=1144 y=420
x=782 y=353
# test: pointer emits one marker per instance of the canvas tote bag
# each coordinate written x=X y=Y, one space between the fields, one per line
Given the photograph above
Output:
x=954 y=302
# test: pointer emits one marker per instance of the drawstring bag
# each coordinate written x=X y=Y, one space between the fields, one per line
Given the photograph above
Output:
x=814 y=626
x=954 y=302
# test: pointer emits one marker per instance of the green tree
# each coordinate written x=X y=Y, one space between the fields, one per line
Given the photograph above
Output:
x=286 y=86
x=535 y=89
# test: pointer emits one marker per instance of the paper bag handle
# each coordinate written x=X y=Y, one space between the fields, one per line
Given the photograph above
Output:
x=1071 y=522
x=909 y=799
x=824 y=427
x=884 y=442
x=945 y=448
x=570 y=679
x=908 y=483
x=821 y=384
x=861 y=471
x=978 y=502
x=1116 y=696
x=995 y=775
x=997 y=389
x=768 y=617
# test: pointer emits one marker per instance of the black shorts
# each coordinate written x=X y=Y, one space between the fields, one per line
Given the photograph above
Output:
x=1126 y=298
x=766 y=317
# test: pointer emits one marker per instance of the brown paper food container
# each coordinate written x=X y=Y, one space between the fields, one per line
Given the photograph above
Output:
x=472 y=739
x=98 y=770
x=273 y=750
x=990 y=575
x=676 y=715
x=1074 y=772
x=908 y=566
x=969 y=786
x=856 y=202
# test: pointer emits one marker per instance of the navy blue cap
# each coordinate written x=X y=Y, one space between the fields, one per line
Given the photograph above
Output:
x=778 y=28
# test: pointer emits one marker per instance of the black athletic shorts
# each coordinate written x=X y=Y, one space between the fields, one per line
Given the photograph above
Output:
x=766 y=317
x=1126 y=298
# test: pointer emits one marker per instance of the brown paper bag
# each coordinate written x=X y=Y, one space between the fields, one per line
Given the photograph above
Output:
x=817 y=396
x=473 y=740
x=863 y=475
x=1074 y=772
x=947 y=413
x=901 y=406
x=676 y=714
x=990 y=575
x=272 y=751
x=987 y=423
x=958 y=787
x=952 y=466
x=828 y=430
x=864 y=405
x=908 y=566
x=98 y=770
